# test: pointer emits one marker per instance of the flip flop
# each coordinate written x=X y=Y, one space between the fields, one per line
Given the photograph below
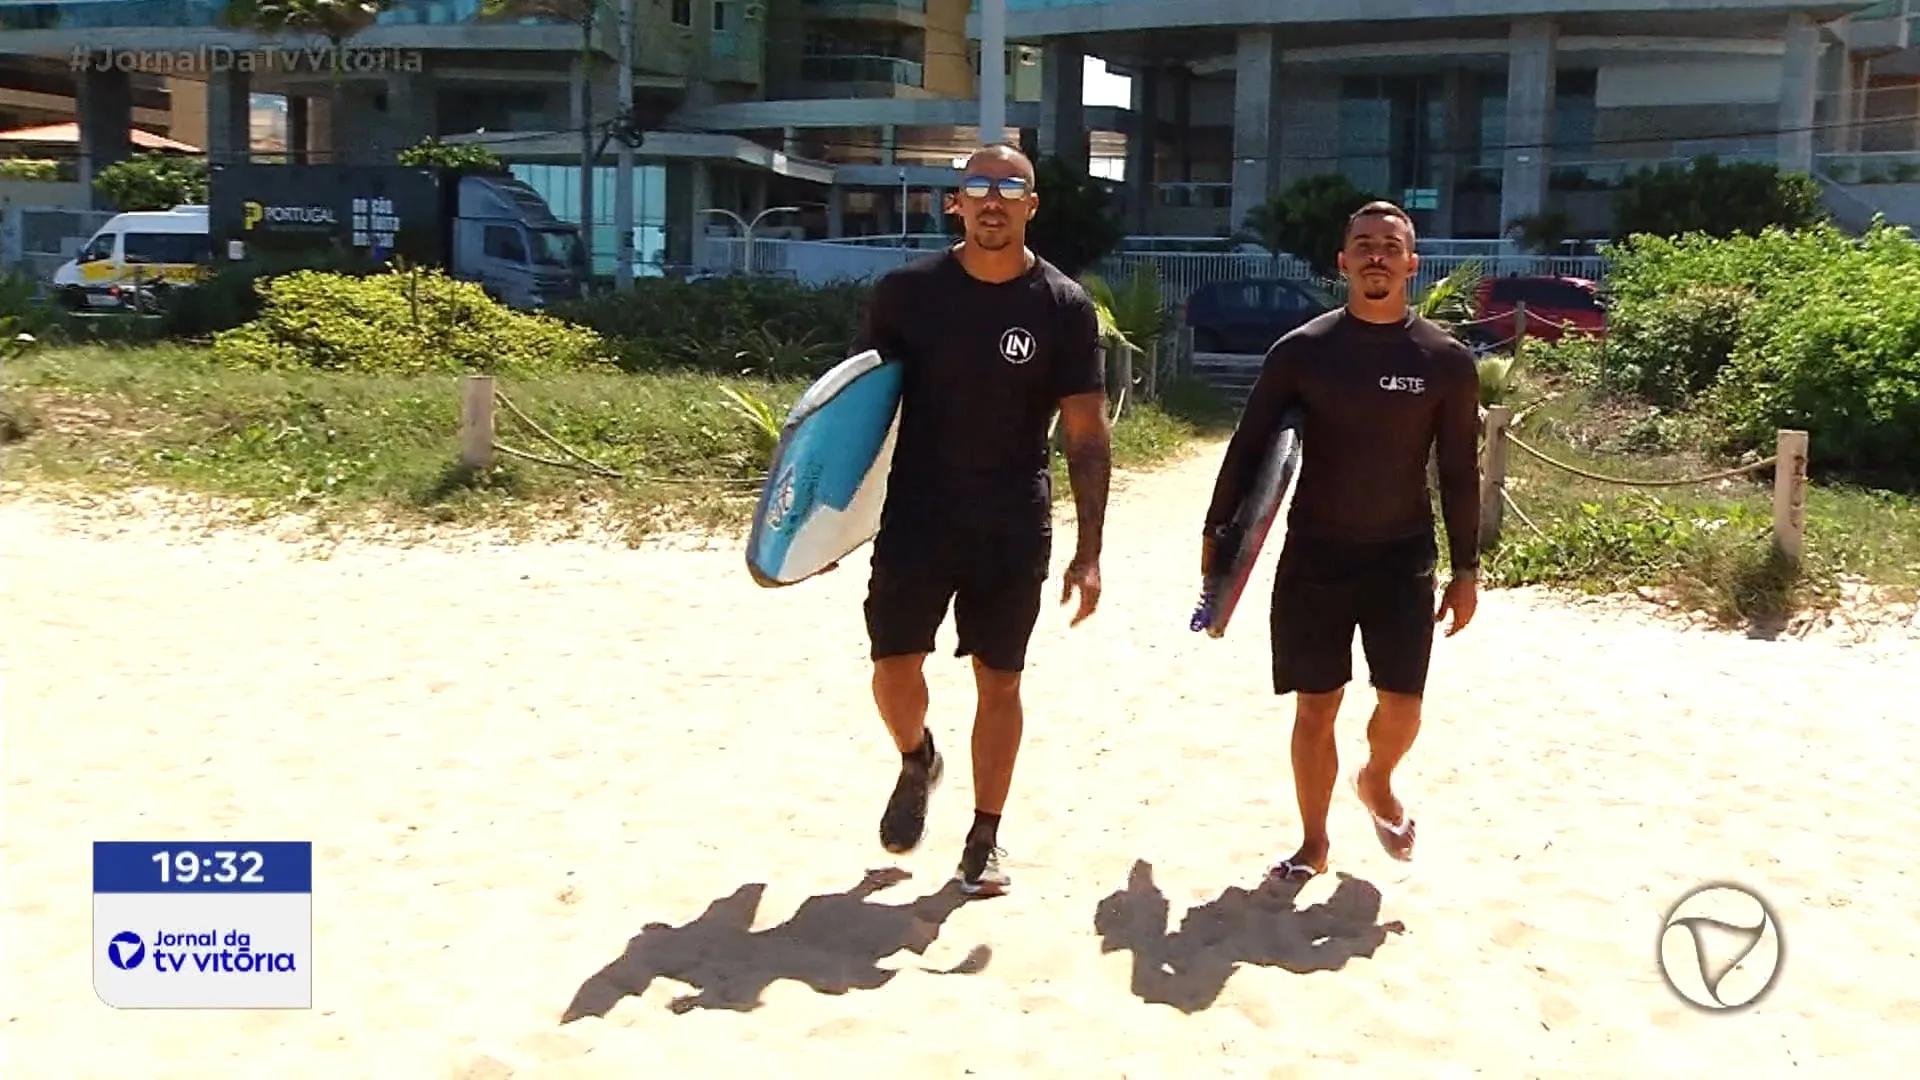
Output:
x=1397 y=839
x=1287 y=869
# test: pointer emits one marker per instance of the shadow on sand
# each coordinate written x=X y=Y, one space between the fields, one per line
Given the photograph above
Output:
x=1188 y=968
x=833 y=943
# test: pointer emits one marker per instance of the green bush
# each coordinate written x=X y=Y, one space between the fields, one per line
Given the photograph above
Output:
x=1671 y=348
x=231 y=296
x=1706 y=196
x=1809 y=329
x=401 y=322
x=764 y=326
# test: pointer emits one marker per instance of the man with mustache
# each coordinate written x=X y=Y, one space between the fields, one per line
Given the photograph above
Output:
x=1379 y=389
x=993 y=339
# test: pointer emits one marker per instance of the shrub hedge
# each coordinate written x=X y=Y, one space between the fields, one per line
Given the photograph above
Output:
x=402 y=322
x=764 y=326
x=1809 y=329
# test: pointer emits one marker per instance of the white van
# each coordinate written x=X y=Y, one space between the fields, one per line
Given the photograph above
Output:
x=160 y=249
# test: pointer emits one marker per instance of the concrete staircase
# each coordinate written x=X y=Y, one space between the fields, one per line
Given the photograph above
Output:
x=1230 y=375
x=1853 y=206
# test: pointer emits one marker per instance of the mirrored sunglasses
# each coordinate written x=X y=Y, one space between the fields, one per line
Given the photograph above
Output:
x=1011 y=188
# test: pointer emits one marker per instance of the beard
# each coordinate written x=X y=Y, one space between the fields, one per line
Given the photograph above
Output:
x=996 y=238
x=1376 y=290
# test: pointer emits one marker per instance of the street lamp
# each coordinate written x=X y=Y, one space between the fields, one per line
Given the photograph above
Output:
x=747 y=227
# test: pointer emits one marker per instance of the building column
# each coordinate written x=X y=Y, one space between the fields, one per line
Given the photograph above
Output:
x=836 y=212
x=410 y=115
x=320 y=145
x=105 y=105
x=700 y=187
x=889 y=140
x=1183 y=124
x=1460 y=135
x=1531 y=45
x=296 y=129
x=1063 y=121
x=1256 y=122
x=229 y=117
x=1143 y=144
x=1799 y=89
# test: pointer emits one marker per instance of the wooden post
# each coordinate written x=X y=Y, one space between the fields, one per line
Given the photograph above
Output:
x=1790 y=495
x=1493 y=475
x=1519 y=325
x=476 y=423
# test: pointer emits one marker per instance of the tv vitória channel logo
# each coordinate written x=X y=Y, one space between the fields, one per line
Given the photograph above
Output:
x=126 y=950
x=208 y=952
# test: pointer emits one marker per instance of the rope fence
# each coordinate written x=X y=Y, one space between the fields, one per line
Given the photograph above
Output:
x=1789 y=465
x=479 y=442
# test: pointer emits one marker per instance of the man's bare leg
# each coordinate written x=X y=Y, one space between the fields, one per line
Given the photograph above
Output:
x=1390 y=734
x=900 y=692
x=1316 y=769
x=998 y=721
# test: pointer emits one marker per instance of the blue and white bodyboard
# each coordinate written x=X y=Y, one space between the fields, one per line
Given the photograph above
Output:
x=828 y=481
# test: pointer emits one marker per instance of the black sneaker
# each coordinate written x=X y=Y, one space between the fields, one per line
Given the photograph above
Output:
x=980 y=873
x=906 y=815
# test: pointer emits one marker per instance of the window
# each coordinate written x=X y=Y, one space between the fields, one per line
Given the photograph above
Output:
x=1543 y=293
x=174 y=249
x=100 y=247
x=503 y=242
x=683 y=12
x=720 y=13
x=1287 y=298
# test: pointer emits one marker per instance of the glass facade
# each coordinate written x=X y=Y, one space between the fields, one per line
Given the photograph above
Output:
x=1391 y=129
x=559 y=185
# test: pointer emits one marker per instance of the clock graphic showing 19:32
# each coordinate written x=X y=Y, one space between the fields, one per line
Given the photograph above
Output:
x=203 y=925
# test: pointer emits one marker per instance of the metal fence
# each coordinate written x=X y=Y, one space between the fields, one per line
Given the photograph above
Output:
x=817 y=262
x=35 y=240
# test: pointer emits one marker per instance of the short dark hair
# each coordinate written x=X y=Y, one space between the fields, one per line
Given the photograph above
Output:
x=1009 y=149
x=1378 y=208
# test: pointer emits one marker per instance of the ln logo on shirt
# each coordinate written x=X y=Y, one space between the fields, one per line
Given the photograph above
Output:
x=1016 y=345
x=1409 y=384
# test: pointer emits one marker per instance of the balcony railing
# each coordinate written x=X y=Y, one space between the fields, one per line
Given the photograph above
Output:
x=1890 y=167
x=202 y=14
x=918 y=6
x=869 y=69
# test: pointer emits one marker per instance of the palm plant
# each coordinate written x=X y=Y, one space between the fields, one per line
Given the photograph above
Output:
x=335 y=20
x=1133 y=320
x=1450 y=300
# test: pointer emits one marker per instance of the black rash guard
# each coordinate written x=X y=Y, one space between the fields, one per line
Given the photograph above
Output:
x=985 y=367
x=1376 y=399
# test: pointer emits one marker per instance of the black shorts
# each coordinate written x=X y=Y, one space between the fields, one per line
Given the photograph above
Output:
x=1324 y=590
x=993 y=583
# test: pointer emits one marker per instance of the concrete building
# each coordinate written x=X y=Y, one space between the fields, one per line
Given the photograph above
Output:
x=1476 y=112
x=877 y=86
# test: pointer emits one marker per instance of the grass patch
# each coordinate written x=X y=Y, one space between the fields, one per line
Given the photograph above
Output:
x=1708 y=547
x=340 y=445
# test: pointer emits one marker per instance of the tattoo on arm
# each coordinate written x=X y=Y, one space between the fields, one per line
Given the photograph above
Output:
x=1090 y=469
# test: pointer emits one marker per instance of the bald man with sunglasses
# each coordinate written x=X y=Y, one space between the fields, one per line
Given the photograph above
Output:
x=993 y=340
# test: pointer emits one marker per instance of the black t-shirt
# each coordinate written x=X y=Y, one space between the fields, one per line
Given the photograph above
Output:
x=1377 y=400
x=985 y=367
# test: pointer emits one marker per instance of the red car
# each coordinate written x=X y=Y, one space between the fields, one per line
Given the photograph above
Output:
x=1555 y=305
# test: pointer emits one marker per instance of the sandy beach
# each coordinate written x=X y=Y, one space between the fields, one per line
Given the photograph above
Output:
x=584 y=811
